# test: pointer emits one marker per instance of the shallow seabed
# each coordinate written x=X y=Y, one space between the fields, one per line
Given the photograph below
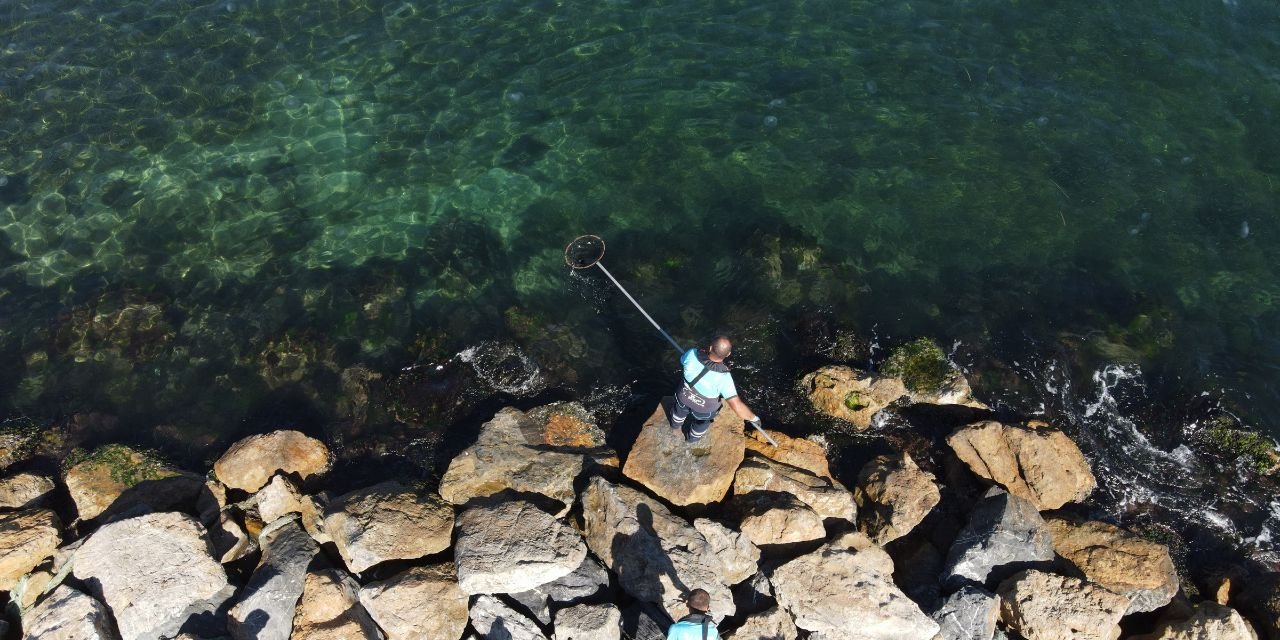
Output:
x=350 y=215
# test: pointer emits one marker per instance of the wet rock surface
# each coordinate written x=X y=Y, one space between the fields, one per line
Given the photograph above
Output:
x=249 y=464
x=1039 y=464
x=851 y=395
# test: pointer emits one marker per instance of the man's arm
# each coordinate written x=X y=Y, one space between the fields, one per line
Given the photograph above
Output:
x=739 y=407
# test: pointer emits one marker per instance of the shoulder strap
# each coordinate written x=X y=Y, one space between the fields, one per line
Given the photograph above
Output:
x=698 y=377
x=704 y=628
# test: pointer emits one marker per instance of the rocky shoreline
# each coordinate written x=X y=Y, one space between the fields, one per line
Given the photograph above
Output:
x=540 y=530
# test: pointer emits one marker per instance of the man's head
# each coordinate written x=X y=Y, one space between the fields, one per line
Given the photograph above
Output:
x=699 y=600
x=720 y=348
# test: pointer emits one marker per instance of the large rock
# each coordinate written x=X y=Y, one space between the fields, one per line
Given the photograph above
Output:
x=774 y=624
x=251 y=462
x=737 y=553
x=1039 y=464
x=1046 y=606
x=851 y=395
x=1005 y=533
x=281 y=497
x=24 y=490
x=511 y=453
x=579 y=585
x=657 y=556
x=777 y=518
x=683 y=473
x=1211 y=621
x=268 y=602
x=387 y=521
x=894 y=495
x=396 y=604
x=845 y=590
x=153 y=588
x=825 y=496
x=802 y=453
x=968 y=614
x=497 y=621
x=27 y=538
x=229 y=540
x=954 y=391
x=589 y=622
x=513 y=546
x=98 y=481
x=179 y=491
x=1121 y=561
x=68 y=614
x=330 y=609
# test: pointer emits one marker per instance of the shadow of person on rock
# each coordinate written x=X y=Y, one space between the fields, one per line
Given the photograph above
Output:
x=640 y=561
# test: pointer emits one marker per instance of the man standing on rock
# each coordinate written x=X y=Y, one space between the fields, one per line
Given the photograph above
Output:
x=698 y=625
x=706 y=381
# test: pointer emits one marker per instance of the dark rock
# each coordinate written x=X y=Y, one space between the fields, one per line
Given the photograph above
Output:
x=1005 y=535
x=968 y=614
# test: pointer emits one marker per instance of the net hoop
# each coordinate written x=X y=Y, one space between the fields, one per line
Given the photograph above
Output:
x=584 y=252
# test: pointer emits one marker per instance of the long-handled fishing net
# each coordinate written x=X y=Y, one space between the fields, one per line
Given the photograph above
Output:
x=588 y=251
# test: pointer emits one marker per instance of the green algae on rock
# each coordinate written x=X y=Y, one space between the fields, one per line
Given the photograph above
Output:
x=921 y=365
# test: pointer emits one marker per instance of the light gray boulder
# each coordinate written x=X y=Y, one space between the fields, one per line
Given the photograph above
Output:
x=153 y=588
x=24 y=490
x=1005 y=534
x=968 y=614
x=396 y=603
x=513 y=546
x=845 y=590
x=268 y=602
x=825 y=496
x=736 y=551
x=657 y=555
x=580 y=584
x=589 y=622
x=388 y=521
x=497 y=621
x=68 y=614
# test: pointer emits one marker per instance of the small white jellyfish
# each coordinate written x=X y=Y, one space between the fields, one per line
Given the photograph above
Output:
x=515 y=96
x=872 y=86
x=777 y=103
x=4 y=181
x=1133 y=231
x=1244 y=229
x=1146 y=215
x=770 y=122
x=1042 y=120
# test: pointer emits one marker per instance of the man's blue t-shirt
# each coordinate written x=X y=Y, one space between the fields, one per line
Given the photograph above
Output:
x=714 y=384
x=687 y=630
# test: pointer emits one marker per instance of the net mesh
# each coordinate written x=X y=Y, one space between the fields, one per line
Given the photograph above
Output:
x=584 y=251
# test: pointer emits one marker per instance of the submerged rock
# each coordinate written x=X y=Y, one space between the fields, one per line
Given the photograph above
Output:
x=1041 y=465
x=1123 y=562
x=851 y=395
x=70 y=615
x=512 y=547
x=1005 y=533
x=267 y=604
x=684 y=473
x=894 y=495
x=826 y=497
x=330 y=609
x=388 y=521
x=849 y=579
x=249 y=464
x=27 y=538
x=24 y=490
x=153 y=588
x=657 y=556
x=396 y=603
x=1046 y=606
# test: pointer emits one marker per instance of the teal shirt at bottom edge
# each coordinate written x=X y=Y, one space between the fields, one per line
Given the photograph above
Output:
x=685 y=630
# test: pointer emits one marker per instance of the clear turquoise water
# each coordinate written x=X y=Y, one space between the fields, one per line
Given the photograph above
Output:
x=218 y=214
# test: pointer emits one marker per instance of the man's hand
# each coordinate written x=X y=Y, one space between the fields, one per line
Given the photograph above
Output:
x=755 y=422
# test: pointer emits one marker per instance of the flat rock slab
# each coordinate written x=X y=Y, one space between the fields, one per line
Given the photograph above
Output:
x=683 y=473
x=267 y=604
x=1047 y=606
x=68 y=614
x=802 y=453
x=153 y=588
x=27 y=538
x=825 y=496
x=249 y=464
x=1033 y=462
x=497 y=621
x=396 y=604
x=848 y=580
x=513 y=546
x=770 y=518
x=657 y=556
x=589 y=622
x=1121 y=561
x=388 y=521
